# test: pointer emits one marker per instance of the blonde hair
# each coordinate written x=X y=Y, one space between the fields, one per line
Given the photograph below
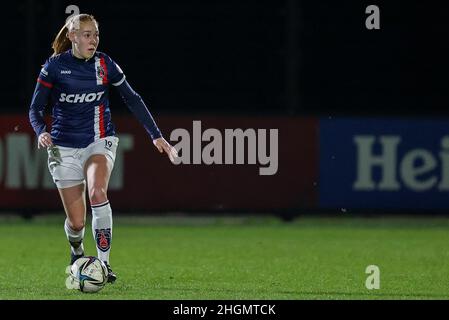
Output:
x=62 y=42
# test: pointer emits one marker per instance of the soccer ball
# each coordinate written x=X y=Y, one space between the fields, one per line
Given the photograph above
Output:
x=87 y=274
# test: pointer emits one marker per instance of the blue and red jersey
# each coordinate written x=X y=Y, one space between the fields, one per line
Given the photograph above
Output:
x=78 y=91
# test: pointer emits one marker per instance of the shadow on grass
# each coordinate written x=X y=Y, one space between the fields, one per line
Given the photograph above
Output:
x=377 y=294
x=324 y=295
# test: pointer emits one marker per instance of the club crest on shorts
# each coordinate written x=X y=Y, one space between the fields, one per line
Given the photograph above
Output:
x=103 y=239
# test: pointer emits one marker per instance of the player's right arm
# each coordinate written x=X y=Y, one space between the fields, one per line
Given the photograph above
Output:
x=40 y=98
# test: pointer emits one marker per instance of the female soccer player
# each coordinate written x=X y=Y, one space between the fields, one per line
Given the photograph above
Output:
x=82 y=143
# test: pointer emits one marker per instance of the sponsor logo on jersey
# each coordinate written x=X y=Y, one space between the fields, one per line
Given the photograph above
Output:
x=81 y=98
x=66 y=71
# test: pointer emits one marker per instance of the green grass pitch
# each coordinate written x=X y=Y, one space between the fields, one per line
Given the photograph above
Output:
x=236 y=258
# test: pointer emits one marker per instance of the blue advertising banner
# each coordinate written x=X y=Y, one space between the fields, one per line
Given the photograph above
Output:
x=381 y=163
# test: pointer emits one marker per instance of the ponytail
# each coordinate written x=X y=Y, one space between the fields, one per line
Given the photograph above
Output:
x=62 y=42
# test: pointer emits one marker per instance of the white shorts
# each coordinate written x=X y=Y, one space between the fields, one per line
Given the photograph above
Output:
x=66 y=165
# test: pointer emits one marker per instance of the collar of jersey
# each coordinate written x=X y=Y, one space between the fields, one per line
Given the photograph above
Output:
x=81 y=60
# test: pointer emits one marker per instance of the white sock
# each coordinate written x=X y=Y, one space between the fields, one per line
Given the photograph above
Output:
x=102 y=229
x=75 y=238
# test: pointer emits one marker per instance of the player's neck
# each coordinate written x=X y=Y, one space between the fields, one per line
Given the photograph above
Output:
x=77 y=55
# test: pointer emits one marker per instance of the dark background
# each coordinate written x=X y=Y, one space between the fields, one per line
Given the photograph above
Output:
x=249 y=56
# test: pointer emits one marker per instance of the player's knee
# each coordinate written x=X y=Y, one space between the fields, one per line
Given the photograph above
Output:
x=97 y=195
x=77 y=225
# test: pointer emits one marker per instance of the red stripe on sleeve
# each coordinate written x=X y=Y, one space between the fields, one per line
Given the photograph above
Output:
x=45 y=84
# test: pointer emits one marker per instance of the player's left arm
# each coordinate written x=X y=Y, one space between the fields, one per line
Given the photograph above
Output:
x=135 y=103
x=137 y=106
